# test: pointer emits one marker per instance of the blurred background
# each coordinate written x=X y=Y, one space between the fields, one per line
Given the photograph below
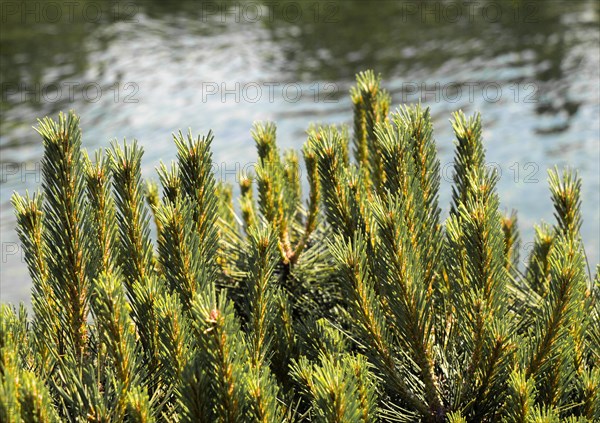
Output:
x=146 y=69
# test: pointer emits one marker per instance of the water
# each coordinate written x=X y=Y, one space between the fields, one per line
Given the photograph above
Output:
x=146 y=69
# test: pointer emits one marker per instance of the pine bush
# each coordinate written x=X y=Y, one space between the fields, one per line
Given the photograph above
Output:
x=355 y=302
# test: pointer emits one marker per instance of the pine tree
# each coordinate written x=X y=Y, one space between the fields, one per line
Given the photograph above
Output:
x=353 y=302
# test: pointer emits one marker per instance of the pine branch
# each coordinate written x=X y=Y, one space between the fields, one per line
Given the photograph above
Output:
x=520 y=400
x=368 y=316
x=153 y=200
x=228 y=227
x=566 y=197
x=170 y=181
x=273 y=193
x=46 y=325
x=262 y=392
x=225 y=353
x=512 y=241
x=10 y=407
x=551 y=347
x=538 y=268
x=591 y=395
x=456 y=417
x=593 y=335
x=144 y=297
x=310 y=161
x=285 y=342
x=475 y=263
x=198 y=184
x=417 y=123
x=260 y=292
x=339 y=389
x=370 y=106
x=247 y=204
x=35 y=400
x=469 y=157
x=23 y=395
x=138 y=406
x=117 y=333
x=65 y=212
x=343 y=195
x=135 y=251
x=261 y=308
x=30 y=227
x=292 y=187
x=403 y=183
x=195 y=392
x=410 y=302
x=175 y=350
x=180 y=251
x=102 y=208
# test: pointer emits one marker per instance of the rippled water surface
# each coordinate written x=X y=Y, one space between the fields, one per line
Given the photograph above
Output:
x=144 y=70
